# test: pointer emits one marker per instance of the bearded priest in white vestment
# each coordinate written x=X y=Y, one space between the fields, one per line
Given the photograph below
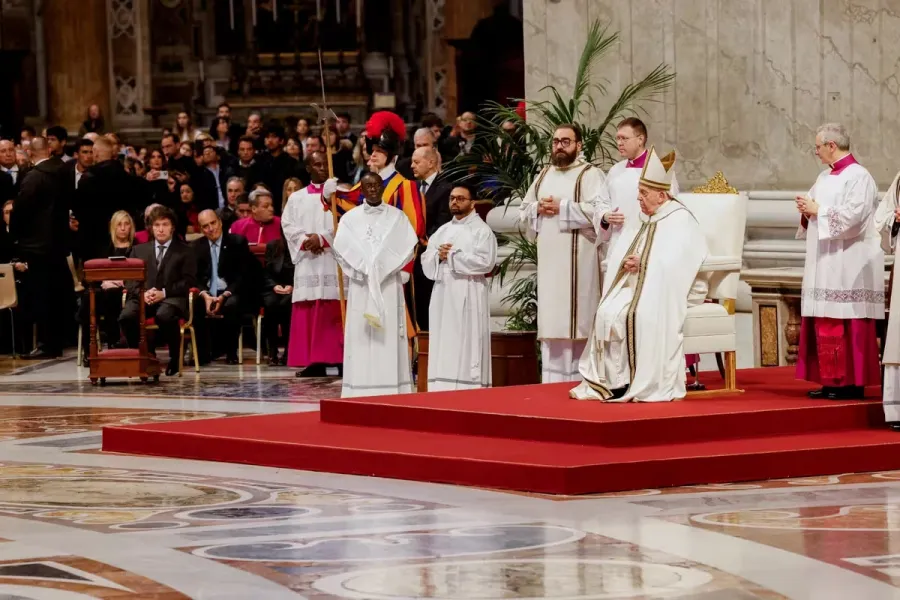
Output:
x=887 y=220
x=842 y=293
x=559 y=207
x=636 y=349
x=374 y=245
x=459 y=257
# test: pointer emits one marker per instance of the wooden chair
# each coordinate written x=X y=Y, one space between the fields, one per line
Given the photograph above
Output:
x=184 y=327
x=9 y=299
x=259 y=251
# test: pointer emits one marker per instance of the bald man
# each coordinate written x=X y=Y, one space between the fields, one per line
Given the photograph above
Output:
x=435 y=190
x=10 y=178
x=40 y=227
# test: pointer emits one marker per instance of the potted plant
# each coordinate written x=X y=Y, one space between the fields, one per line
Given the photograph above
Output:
x=510 y=150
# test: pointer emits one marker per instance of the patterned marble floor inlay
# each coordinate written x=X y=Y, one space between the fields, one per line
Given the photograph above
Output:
x=77 y=523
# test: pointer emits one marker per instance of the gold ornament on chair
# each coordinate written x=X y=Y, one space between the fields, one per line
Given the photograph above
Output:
x=717 y=185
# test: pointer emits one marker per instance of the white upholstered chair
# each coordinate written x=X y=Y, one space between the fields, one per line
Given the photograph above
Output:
x=710 y=328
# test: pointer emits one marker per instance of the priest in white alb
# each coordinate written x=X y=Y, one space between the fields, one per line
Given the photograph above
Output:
x=559 y=208
x=374 y=245
x=842 y=294
x=459 y=257
x=316 y=339
x=887 y=220
x=636 y=349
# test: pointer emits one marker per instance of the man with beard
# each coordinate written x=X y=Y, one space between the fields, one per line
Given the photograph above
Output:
x=559 y=208
x=374 y=245
x=459 y=256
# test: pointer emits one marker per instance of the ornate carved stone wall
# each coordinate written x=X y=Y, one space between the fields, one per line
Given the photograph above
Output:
x=128 y=43
x=754 y=78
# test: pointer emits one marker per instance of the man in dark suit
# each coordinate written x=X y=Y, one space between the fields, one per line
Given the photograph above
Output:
x=221 y=174
x=435 y=189
x=225 y=276
x=171 y=273
x=10 y=175
x=39 y=225
x=203 y=181
x=276 y=166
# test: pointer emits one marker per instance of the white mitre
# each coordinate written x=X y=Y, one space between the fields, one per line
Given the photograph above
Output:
x=658 y=172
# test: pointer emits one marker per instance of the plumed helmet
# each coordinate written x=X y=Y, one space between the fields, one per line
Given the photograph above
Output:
x=386 y=131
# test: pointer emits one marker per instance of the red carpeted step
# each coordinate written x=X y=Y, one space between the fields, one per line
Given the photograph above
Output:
x=774 y=404
x=302 y=441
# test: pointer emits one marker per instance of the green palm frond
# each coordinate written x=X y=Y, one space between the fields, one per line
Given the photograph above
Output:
x=598 y=43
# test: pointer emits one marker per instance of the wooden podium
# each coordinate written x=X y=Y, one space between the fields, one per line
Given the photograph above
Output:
x=123 y=362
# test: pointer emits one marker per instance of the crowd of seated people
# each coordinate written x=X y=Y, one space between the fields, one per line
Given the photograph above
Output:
x=193 y=207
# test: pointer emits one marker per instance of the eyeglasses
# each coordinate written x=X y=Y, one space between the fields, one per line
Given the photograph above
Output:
x=622 y=138
x=459 y=198
x=564 y=142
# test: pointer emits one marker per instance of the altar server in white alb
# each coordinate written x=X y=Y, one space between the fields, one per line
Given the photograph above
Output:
x=374 y=245
x=622 y=182
x=842 y=294
x=459 y=257
x=887 y=220
x=636 y=349
x=559 y=207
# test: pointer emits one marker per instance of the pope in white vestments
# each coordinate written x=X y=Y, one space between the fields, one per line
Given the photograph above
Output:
x=459 y=257
x=374 y=244
x=842 y=293
x=559 y=208
x=636 y=349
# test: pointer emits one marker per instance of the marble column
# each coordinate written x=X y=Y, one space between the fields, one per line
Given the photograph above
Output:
x=77 y=60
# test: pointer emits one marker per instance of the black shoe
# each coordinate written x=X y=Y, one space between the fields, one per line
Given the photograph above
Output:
x=853 y=392
x=231 y=360
x=823 y=393
x=340 y=368
x=316 y=370
x=172 y=369
x=894 y=425
x=618 y=393
x=274 y=361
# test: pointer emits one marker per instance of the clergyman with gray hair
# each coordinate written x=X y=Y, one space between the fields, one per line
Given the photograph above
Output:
x=262 y=226
x=842 y=295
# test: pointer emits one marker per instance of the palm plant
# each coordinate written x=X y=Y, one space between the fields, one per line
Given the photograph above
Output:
x=505 y=160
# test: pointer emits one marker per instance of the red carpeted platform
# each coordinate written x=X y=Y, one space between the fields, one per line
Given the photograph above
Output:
x=533 y=438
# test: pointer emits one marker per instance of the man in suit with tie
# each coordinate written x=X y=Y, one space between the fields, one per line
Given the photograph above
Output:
x=171 y=273
x=426 y=164
x=10 y=175
x=226 y=273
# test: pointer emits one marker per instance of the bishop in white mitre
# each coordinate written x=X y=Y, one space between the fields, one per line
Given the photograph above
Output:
x=559 y=208
x=636 y=349
x=375 y=245
x=460 y=256
x=887 y=220
x=842 y=293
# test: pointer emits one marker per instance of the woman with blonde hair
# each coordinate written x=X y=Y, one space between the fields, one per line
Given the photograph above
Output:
x=108 y=299
x=291 y=185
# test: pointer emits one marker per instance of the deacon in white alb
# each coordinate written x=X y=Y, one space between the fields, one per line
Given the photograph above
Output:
x=636 y=349
x=887 y=220
x=375 y=245
x=559 y=207
x=459 y=257
x=843 y=278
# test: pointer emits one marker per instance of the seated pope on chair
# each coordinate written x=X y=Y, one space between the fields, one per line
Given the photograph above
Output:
x=635 y=352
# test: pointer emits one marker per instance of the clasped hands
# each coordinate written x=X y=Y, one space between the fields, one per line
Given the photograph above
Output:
x=548 y=207
x=214 y=303
x=806 y=206
x=283 y=289
x=153 y=296
x=444 y=251
x=632 y=263
x=897 y=214
x=313 y=243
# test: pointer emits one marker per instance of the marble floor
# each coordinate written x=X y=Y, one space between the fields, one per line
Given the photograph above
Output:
x=77 y=523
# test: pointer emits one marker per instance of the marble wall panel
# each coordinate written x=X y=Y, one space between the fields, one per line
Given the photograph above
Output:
x=754 y=78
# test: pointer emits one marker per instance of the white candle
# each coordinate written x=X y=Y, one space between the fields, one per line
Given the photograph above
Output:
x=274 y=10
x=253 y=10
x=202 y=74
x=337 y=10
x=359 y=14
x=318 y=10
x=231 y=13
